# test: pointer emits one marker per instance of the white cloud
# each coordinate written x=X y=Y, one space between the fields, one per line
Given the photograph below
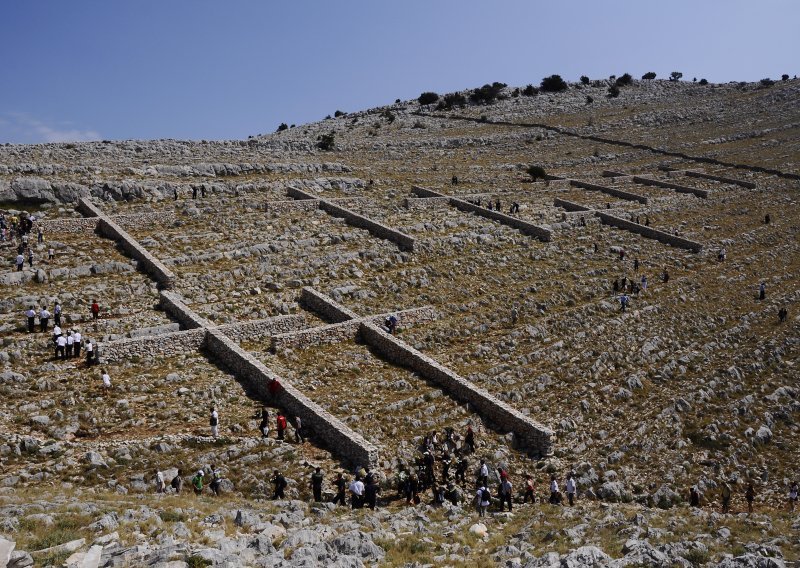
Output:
x=23 y=128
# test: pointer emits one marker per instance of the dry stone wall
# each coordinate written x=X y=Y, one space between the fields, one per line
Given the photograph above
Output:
x=723 y=179
x=248 y=330
x=322 y=427
x=609 y=190
x=704 y=193
x=649 y=232
x=325 y=306
x=173 y=304
x=529 y=434
x=527 y=228
x=154 y=346
x=405 y=242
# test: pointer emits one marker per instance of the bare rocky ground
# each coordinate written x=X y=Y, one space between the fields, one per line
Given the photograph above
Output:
x=696 y=384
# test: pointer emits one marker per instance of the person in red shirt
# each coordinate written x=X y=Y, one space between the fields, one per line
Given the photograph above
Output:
x=95 y=310
x=281 y=423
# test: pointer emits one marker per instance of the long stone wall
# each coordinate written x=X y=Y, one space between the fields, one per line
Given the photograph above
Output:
x=530 y=434
x=405 y=242
x=723 y=179
x=325 y=306
x=109 y=229
x=609 y=190
x=704 y=193
x=319 y=424
x=88 y=225
x=154 y=346
x=173 y=304
x=523 y=226
x=570 y=205
x=257 y=329
x=649 y=232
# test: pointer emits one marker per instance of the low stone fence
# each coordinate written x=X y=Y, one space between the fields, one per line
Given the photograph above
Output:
x=723 y=179
x=248 y=330
x=319 y=424
x=152 y=346
x=173 y=304
x=649 y=232
x=136 y=220
x=291 y=206
x=405 y=242
x=426 y=202
x=523 y=226
x=529 y=434
x=65 y=226
x=570 y=205
x=704 y=193
x=609 y=190
x=325 y=306
x=109 y=229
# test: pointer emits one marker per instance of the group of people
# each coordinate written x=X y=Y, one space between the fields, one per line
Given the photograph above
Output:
x=282 y=424
x=67 y=344
x=213 y=479
x=496 y=206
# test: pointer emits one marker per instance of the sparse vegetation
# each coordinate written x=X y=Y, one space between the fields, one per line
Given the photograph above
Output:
x=487 y=94
x=282 y=126
x=613 y=92
x=428 y=98
x=326 y=142
x=784 y=77
x=536 y=172
x=553 y=84
x=530 y=91
x=675 y=76
x=703 y=82
x=585 y=80
x=624 y=80
x=767 y=82
x=649 y=76
x=451 y=100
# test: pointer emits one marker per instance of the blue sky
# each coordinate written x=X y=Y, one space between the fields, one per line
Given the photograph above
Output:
x=197 y=69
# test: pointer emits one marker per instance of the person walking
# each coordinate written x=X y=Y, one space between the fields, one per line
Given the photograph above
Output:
x=750 y=495
x=298 y=430
x=554 y=493
x=106 y=381
x=483 y=499
x=279 y=484
x=357 y=493
x=160 y=484
x=264 y=425
x=316 y=484
x=213 y=421
x=44 y=317
x=31 y=315
x=197 y=482
x=469 y=439
x=572 y=489
x=280 y=422
x=726 y=498
x=95 y=310
x=371 y=491
x=216 y=480
x=505 y=494
x=89 y=351
x=694 y=497
x=177 y=482
x=340 y=485
x=57 y=314
x=529 y=492
x=61 y=345
x=70 y=344
x=792 y=496
x=483 y=473
x=76 y=344
x=762 y=291
x=20 y=262
x=30 y=258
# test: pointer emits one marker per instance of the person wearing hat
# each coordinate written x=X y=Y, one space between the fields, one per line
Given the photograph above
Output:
x=197 y=482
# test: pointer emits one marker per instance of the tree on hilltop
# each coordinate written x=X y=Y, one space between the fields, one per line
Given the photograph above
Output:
x=675 y=76
x=428 y=98
x=649 y=76
x=487 y=94
x=585 y=80
x=784 y=77
x=624 y=81
x=553 y=84
x=283 y=126
x=530 y=91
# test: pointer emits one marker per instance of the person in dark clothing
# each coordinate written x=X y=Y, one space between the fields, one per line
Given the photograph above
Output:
x=665 y=275
x=430 y=478
x=497 y=205
x=636 y=264
x=264 y=425
x=461 y=470
x=177 y=481
x=762 y=291
x=767 y=219
x=469 y=439
x=750 y=495
x=215 y=480
x=279 y=483
x=446 y=463
x=340 y=485
x=371 y=493
x=694 y=497
x=529 y=494
x=454 y=180
x=194 y=192
x=316 y=484
x=412 y=489
x=783 y=313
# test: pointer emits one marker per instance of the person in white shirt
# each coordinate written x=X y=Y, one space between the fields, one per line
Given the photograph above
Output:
x=483 y=473
x=70 y=343
x=61 y=343
x=44 y=317
x=57 y=314
x=106 y=381
x=89 y=351
x=20 y=262
x=571 y=489
x=56 y=332
x=31 y=315
x=482 y=500
x=76 y=346
x=357 y=493
x=160 y=484
x=555 y=497
x=214 y=422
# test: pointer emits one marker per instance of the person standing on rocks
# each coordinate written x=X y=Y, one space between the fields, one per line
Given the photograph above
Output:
x=161 y=486
x=106 y=381
x=572 y=489
x=483 y=498
x=20 y=262
x=461 y=469
x=279 y=484
x=750 y=495
x=554 y=492
x=529 y=492
x=31 y=315
x=694 y=497
x=89 y=351
x=95 y=310
x=298 y=430
x=264 y=425
x=469 y=439
x=70 y=344
x=57 y=314
x=61 y=344
x=30 y=257
x=44 y=317
x=483 y=473
x=340 y=485
x=371 y=491
x=665 y=275
x=215 y=480
x=357 y=493
x=624 y=300
x=792 y=496
x=177 y=482
x=505 y=494
x=76 y=344
x=280 y=422
x=726 y=498
x=316 y=484
x=197 y=482
x=644 y=283
x=762 y=291
x=783 y=313
x=213 y=421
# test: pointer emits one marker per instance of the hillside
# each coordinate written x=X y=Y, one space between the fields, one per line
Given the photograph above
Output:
x=220 y=266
